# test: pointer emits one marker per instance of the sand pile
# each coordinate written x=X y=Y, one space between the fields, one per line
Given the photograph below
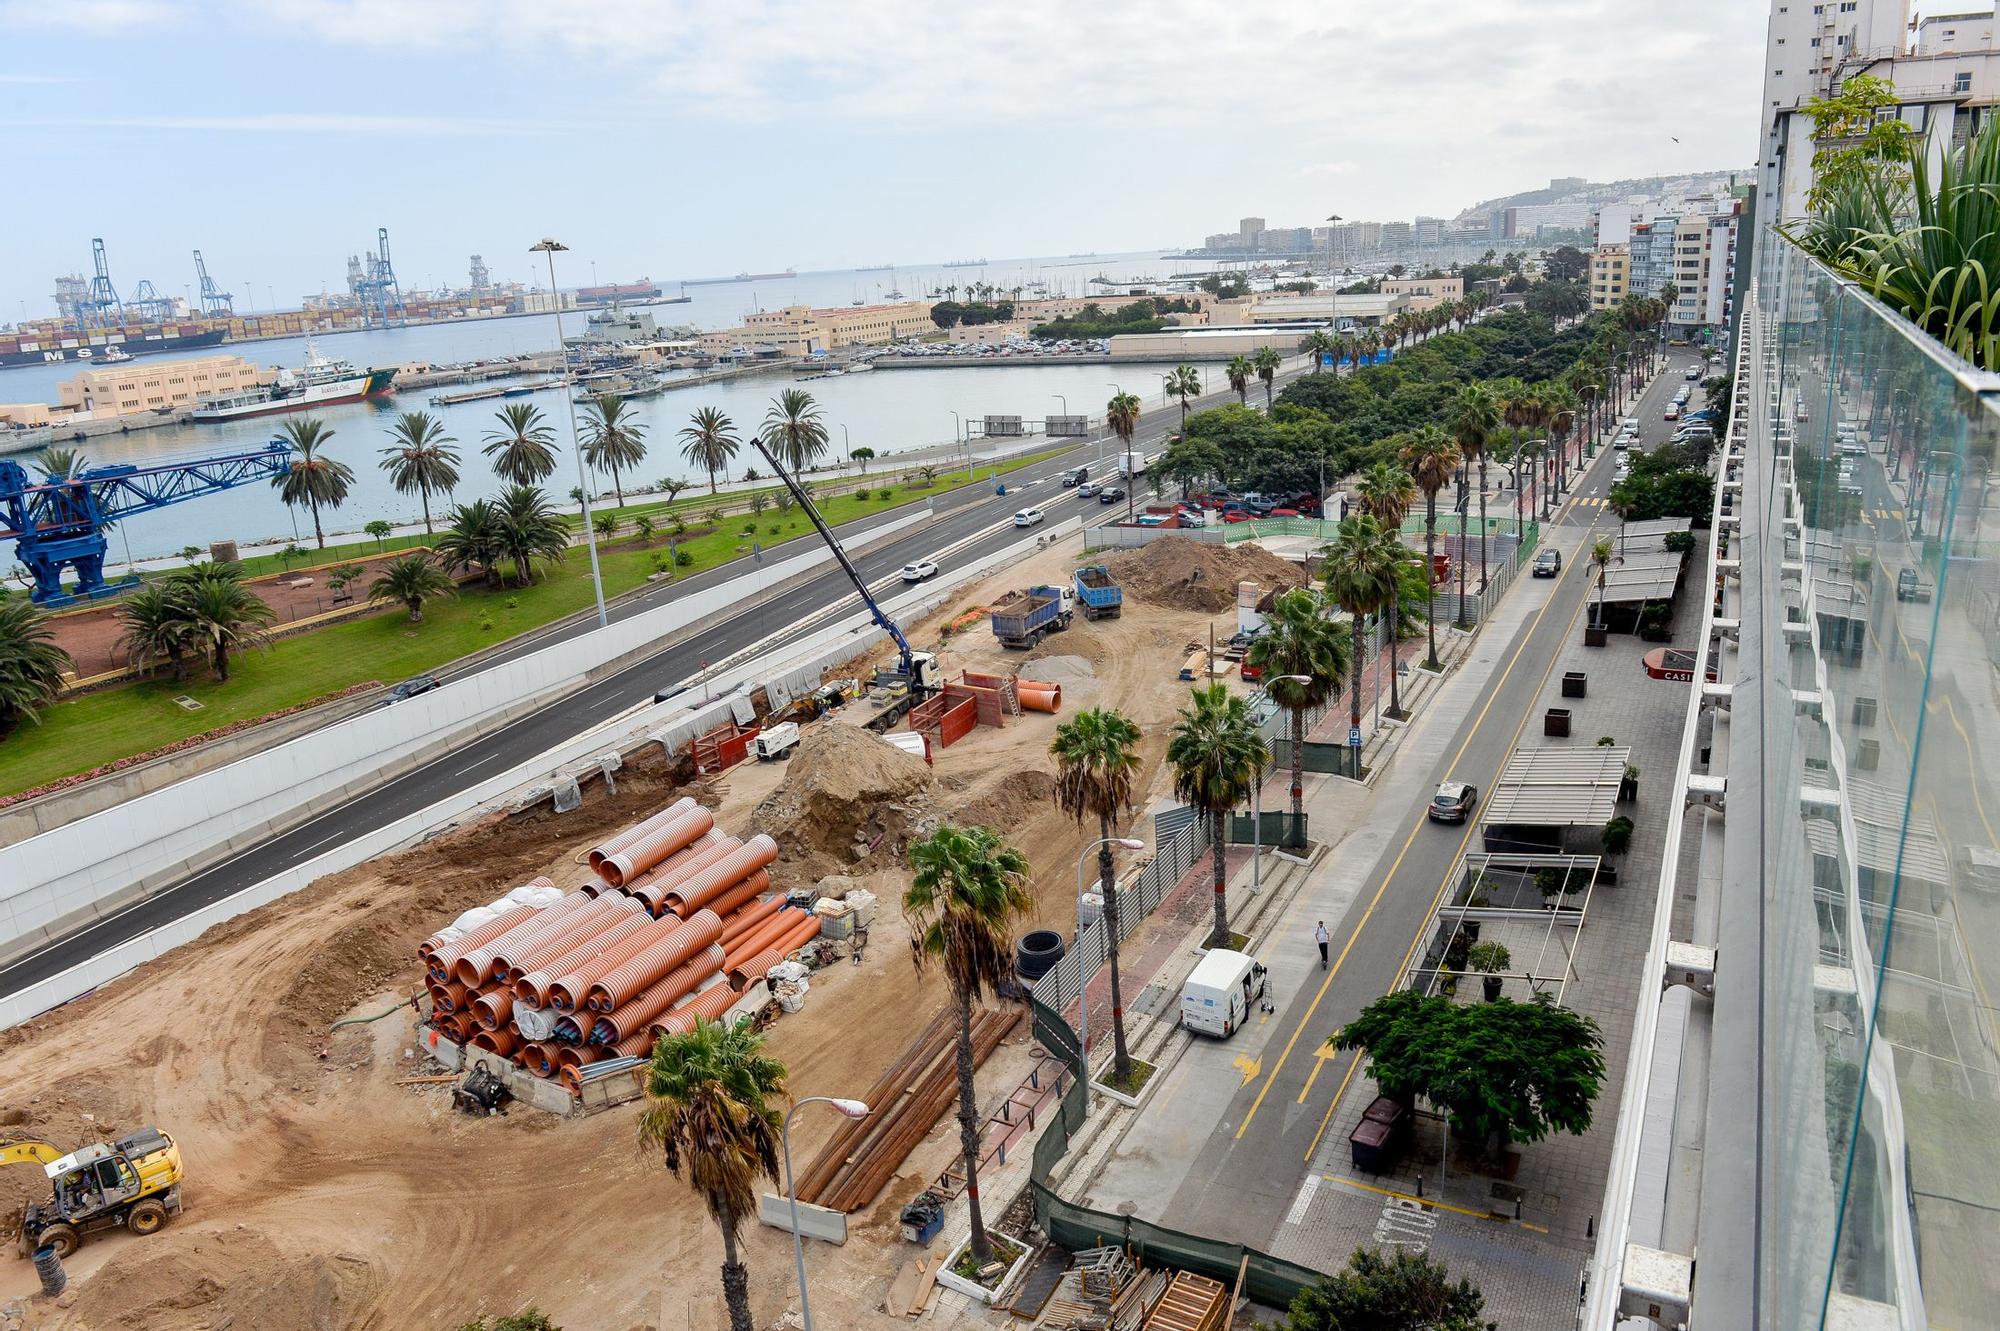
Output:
x=1004 y=802
x=848 y=797
x=241 y=1280
x=1189 y=575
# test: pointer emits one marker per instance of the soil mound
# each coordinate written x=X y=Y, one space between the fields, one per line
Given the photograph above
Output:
x=849 y=796
x=1006 y=803
x=241 y=1280
x=1181 y=574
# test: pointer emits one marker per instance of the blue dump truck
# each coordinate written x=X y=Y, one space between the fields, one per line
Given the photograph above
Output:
x=1023 y=619
x=1100 y=597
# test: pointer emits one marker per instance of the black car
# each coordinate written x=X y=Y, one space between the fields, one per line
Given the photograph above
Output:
x=412 y=686
x=1549 y=563
x=1453 y=802
x=1110 y=494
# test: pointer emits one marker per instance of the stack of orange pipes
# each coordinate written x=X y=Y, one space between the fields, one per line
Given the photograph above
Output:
x=673 y=928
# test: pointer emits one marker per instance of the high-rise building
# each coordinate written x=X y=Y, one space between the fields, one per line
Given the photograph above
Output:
x=1608 y=268
x=1428 y=230
x=1249 y=231
x=1613 y=224
x=1397 y=235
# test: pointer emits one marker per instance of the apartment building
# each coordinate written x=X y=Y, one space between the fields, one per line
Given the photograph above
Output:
x=1610 y=267
x=153 y=385
x=1425 y=292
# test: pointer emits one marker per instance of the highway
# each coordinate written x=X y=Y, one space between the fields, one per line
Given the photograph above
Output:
x=985 y=525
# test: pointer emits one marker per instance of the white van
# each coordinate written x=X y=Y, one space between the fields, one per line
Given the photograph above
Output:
x=1221 y=992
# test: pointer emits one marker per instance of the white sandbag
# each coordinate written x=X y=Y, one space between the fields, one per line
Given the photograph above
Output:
x=537 y=1023
x=474 y=918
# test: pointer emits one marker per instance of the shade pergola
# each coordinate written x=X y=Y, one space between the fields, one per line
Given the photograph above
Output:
x=1558 y=787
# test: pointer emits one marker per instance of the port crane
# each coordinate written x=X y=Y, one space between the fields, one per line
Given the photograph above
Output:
x=212 y=300
x=917 y=672
x=147 y=305
x=381 y=299
x=101 y=306
x=59 y=523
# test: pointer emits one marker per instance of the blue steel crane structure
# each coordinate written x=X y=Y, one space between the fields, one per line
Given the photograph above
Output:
x=213 y=301
x=101 y=308
x=381 y=298
x=59 y=523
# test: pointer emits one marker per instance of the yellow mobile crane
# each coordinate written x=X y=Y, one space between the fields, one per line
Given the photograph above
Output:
x=134 y=1181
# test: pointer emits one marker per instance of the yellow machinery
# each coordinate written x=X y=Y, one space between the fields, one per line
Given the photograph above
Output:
x=134 y=1181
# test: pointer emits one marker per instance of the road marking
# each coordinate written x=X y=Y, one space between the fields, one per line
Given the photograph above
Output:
x=322 y=841
x=1445 y=886
x=1408 y=1204
x=1390 y=876
x=1303 y=1202
x=1250 y=1067
x=477 y=763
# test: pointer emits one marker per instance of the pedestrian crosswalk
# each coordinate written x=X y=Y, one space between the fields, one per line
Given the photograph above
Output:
x=1590 y=501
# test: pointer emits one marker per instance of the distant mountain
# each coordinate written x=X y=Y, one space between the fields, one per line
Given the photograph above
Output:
x=1575 y=190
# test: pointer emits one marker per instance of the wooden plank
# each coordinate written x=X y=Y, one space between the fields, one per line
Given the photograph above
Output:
x=1236 y=1295
x=897 y=1301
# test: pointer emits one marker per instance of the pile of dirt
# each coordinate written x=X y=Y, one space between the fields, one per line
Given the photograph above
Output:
x=1005 y=802
x=1190 y=575
x=848 y=797
x=216 y=1280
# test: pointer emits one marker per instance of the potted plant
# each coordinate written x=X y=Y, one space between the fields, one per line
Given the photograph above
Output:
x=1628 y=788
x=1617 y=835
x=1489 y=959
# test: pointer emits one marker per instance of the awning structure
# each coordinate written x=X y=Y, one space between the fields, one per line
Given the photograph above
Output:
x=1641 y=575
x=1646 y=535
x=1558 y=787
x=1882 y=845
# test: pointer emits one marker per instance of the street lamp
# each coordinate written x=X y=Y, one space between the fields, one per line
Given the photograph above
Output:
x=1257 y=788
x=1065 y=402
x=847 y=441
x=850 y=1108
x=1083 y=986
x=550 y=247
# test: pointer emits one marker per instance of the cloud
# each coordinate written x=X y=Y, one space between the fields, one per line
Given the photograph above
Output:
x=303 y=123
x=1330 y=169
x=98 y=17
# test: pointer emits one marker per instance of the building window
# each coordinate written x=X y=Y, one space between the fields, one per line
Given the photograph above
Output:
x=1815 y=41
x=1961 y=83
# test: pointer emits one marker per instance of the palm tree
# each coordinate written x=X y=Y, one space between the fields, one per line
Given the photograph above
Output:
x=474 y=538
x=1238 y=372
x=1097 y=757
x=1433 y=461
x=1387 y=493
x=529 y=531
x=31 y=665
x=1266 y=363
x=793 y=430
x=1121 y=413
x=1361 y=572
x=710 y=443
x=155 y=627
x=1600 y=555
x=222 y=614
x=1319 y=344
x=59 y=464
x=1304 y=662
x=967 y=889
x=1217 y=756
x=312 y=479
x=411 y=579
x=1184 y=383
x=523 y=449
x=1475 y=417
x=611 y=438
x=1515 y=401
x=709 y=1107
x=421 y=459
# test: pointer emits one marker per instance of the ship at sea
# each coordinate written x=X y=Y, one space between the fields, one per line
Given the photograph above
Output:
x=964 y=263
x=643 y=289
x=321 y=382
x=764 y=277
x=70 y=346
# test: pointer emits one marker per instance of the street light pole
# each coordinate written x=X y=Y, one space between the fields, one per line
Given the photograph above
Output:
x=549 y=247
x=1083 y=984
x=852 y=1109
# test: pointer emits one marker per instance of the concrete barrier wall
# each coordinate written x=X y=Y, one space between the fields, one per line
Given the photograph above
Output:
x=853 y=632
x=103 y=862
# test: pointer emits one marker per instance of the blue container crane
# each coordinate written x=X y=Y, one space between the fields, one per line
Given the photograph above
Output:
x=60 y=523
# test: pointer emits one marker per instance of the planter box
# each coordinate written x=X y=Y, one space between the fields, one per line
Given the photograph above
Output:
x=1575 y=683
x=1555 y=723
x=1595 y=635
x=972 y=1289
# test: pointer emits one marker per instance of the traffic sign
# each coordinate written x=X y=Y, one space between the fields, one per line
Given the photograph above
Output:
x=1354 y=737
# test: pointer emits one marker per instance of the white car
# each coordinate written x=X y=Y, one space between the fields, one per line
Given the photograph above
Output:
x=920 y=570
x=1028 y=517
x=1086 y=489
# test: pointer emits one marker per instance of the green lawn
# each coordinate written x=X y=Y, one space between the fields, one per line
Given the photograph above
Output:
x=114 y=723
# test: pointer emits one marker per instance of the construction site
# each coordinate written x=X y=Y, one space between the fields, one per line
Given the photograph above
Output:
x=407 y=1094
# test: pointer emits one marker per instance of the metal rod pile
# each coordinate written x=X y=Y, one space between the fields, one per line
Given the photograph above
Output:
x=579 y=985
x=864 y=1154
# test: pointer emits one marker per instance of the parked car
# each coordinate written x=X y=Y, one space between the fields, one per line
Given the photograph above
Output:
x=1453 y=802
x=1672 y=413
x=1190 y=515
x=1694 y=372
x=1110 y=494
x=412 y=686
x=920 y=570
x=1029 y=517
x=1912 y=586
x=1548 y=563
x=1239 y=515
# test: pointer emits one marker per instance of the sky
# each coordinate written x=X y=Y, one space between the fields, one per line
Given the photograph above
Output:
x=672 y=139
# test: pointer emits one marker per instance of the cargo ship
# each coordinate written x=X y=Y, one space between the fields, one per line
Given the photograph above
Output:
x=71 y=346
x=643 y=289
x=764 y=277
x=320 y=382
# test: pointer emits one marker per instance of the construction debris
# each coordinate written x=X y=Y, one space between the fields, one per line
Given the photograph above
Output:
x=846 y=798
x=1190 y=575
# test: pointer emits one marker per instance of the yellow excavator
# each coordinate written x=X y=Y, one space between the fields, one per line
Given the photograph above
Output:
x=134 y=1181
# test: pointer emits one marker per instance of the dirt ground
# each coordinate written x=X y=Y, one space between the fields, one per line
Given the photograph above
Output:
x=91 y=636
x=322 y=1194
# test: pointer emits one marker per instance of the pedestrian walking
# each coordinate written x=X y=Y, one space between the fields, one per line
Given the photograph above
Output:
x=1321 y=937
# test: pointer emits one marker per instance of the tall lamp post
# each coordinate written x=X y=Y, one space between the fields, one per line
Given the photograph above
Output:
x=1257 y=794
x=1083 y=987
x=851 y=1109
x=550 y=247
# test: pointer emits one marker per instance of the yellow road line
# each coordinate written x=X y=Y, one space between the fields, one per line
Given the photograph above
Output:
x=1390 y=876
x=1431 y=1204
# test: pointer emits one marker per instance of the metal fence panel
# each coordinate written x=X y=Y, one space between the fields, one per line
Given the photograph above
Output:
x=1062 y=983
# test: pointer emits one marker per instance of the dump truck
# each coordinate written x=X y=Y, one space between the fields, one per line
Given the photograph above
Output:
x=1023 y=619
x=1100 y=597
x=134 y=1182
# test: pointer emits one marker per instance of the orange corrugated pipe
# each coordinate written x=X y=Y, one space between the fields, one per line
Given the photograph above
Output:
x=476 y=963
x=756 y=853
x=469 y=938
x=636 y=1046
x=708 y=1005
x=511 y=963
x=695 y=933
x=619 y=840
x=756 y=968
x=1039 y=697
x=803 y=933
x=567 y=992
x=754 y=884
x=749 y=917
x=739 y=896
x=449 y=997
x=657 y=882
x=494 y=1009
x=444 y=958
x=533 y=986
x=629 y=1019
x=766 y=934
x=642 y=853
x=497 y=1042
x=537 y=1059
x=576 y=1055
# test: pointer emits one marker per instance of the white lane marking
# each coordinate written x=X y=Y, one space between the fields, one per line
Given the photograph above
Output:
x=1302 y=1202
